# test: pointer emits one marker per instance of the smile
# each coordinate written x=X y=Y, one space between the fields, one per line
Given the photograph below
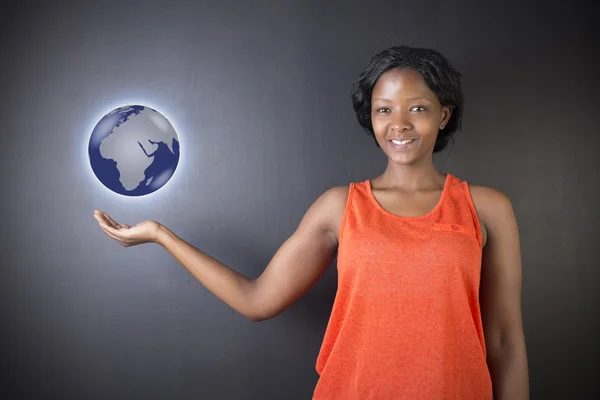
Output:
x=401 y=142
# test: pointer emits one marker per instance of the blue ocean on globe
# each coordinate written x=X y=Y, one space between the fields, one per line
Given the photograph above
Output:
x=134 y=150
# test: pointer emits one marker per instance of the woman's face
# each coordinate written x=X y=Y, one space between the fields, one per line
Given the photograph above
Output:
x=404 y=108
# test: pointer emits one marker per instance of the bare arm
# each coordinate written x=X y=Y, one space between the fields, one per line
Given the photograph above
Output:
x=295 y=267
x=501 y=297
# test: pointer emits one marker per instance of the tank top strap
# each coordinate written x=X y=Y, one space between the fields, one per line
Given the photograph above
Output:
x=458 y=209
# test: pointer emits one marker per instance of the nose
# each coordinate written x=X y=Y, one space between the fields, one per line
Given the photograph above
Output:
x=401 y=121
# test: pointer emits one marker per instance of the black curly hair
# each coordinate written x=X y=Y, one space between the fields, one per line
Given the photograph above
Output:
x=439 y=75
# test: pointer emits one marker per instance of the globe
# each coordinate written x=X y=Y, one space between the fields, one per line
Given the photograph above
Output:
x=134 y=150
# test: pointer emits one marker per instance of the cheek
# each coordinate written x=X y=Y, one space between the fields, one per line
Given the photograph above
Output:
x=427 y=126
x=377 y=122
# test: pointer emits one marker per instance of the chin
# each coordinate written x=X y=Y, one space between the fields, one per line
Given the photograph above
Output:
x=403 y=160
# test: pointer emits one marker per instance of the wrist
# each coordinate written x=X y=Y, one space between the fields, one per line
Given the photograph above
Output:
x=162 y=235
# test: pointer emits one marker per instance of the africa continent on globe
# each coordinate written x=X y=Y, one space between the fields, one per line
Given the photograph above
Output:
x=134 y=150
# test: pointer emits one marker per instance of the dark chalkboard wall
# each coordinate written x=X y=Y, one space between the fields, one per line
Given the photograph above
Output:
x=259 y=95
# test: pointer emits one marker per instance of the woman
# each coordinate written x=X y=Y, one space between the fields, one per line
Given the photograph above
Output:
x=429 y=292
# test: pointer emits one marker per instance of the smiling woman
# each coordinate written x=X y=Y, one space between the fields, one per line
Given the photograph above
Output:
x=428 y=304
x=406 y=115
x=427 y=83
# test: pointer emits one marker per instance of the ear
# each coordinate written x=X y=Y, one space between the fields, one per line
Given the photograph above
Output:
x=446 y=114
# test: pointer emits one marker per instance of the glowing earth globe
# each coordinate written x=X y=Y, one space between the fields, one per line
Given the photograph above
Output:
x=134 y=150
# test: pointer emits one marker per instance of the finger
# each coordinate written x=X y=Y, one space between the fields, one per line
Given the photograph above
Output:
x=122 y=241
x=99 y=216
x=115 y=232
x=110 y=220
x=109 y=234
x=116 y=238
x=109 y=229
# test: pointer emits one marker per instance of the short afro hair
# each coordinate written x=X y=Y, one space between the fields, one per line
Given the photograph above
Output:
x=439 y=75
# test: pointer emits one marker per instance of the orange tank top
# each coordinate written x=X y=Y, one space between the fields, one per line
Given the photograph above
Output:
x=406 y=322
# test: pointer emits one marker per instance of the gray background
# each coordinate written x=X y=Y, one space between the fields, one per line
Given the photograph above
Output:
x=259 y=94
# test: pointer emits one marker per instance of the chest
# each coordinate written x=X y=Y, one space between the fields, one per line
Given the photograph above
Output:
x=394 y=256
x=420 y=204
x=407 y=204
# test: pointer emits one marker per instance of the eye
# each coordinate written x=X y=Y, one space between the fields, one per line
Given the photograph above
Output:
x=382 y=110
x=421 y=108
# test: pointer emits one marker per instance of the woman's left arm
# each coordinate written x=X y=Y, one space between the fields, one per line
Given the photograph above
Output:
x=500 y=297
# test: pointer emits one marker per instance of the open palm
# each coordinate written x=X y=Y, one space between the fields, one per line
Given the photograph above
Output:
x=126 y=235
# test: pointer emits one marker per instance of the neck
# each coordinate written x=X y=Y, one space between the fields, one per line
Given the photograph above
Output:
x=411 y=177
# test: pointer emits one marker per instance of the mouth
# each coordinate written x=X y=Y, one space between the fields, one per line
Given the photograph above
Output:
x=402 y=144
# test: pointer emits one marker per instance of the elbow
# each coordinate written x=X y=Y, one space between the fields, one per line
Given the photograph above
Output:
x=256 y=309
x=257 y=317
x=260 y=315
x=505 y=346
x=260 y=307
x=254 y=317
x=254 y=312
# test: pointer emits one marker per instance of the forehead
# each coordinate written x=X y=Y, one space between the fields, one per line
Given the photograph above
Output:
x=401 y=82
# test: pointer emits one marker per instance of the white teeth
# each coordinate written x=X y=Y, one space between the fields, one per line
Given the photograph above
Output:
x=402 y=141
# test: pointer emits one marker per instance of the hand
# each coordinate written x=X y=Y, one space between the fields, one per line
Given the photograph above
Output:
x=125 y=235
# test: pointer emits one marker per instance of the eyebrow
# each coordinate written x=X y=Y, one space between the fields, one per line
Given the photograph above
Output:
x=409 y=99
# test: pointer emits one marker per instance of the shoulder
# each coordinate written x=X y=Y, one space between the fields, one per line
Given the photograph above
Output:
x=337 y=194
x=328 y=209
x=494 y=209
x=333 y=202
x=490 y=201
